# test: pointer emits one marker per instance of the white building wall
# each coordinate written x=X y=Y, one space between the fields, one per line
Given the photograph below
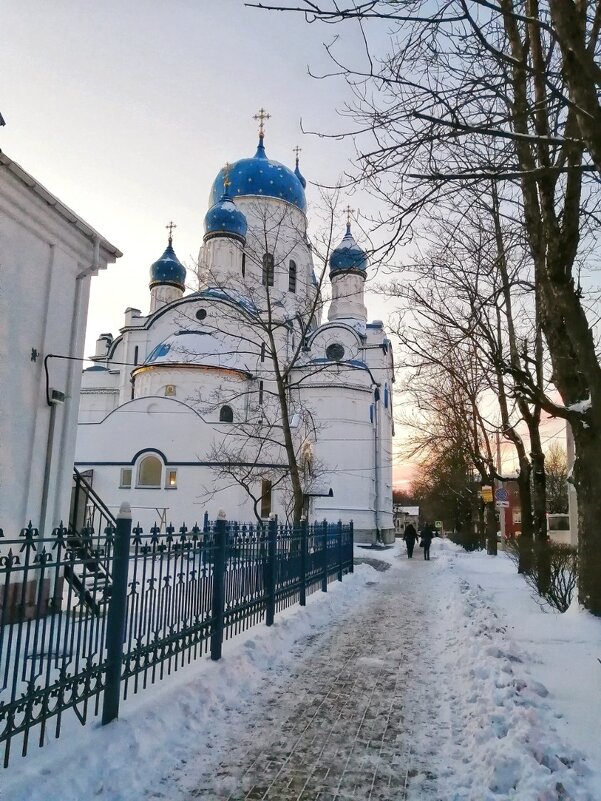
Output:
x=184 y=441
x=48 y=256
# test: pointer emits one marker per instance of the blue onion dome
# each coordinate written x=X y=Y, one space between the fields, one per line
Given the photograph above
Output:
x=224 y=219
x=168 y=269
x=348 y=256
x=260 y=176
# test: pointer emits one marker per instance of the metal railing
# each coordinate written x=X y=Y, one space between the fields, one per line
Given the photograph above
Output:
x=76 y=646
x=89 y=522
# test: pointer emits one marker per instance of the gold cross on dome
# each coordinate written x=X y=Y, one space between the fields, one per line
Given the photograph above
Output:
x=262 y=115
x=349 y=214
x=171 y=226
x=297 y=150
x=226 y=175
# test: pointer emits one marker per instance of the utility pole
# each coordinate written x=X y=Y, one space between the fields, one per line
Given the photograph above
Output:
x=500 y=484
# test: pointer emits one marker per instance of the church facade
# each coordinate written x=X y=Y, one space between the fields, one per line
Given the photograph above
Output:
x=203 y=403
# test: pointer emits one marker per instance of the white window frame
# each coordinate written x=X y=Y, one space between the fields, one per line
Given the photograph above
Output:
x=126 y=484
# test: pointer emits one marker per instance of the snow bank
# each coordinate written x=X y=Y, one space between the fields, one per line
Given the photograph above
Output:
x=516 y=697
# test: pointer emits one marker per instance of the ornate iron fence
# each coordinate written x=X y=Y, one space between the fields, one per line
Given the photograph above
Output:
x=88 y=618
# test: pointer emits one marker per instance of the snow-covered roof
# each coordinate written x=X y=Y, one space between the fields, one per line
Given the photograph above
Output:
x=413 y=511
x=198 y=348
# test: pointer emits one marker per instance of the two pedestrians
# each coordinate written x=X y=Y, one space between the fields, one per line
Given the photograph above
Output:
x=410 y=536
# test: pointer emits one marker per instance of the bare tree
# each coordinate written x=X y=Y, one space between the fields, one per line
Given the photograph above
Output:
x=472 y=282
x=479 y=90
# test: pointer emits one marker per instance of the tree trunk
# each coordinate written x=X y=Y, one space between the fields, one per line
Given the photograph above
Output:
x=525 y=540
x=539 y=491
x=587 y=476
x=481 y=525
x=580 y=70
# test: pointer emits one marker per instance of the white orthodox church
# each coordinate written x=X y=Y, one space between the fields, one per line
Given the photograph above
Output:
x=181 y=413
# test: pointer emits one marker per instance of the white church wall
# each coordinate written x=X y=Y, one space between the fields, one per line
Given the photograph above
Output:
x=205 y=389
x=280 y=228
x=182 y=441
x=336 y=334
x=344 y=453
x=100 y=398
x=48 y=258
x=347 y=297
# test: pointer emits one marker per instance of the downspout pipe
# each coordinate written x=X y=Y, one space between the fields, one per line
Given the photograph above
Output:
x=377 y=461
x=51 y=402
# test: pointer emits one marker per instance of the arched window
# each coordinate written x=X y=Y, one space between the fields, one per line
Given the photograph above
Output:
x=268 y=269
x=226 y=414
x=150 y=471
x=243 y=264
x=262 y=351
x=292 y=276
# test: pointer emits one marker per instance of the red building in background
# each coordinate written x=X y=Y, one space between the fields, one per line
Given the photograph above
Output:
x=512 y=513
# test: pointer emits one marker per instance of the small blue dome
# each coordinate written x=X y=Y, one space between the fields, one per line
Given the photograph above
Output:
x=260 y=176
x=224 y=219
x=348 y=256
x=168 y=269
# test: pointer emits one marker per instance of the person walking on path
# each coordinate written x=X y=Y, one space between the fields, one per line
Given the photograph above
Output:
x=410 y=536
x=427 y=535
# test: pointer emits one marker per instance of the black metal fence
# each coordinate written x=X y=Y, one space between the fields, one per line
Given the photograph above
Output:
x=88 y=618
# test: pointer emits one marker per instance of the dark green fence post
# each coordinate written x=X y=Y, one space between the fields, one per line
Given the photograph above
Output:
x=351 y=546
x=218 y=602
x=303 y=563
x=324 y=578
x=272 y=539
x=339 y=537
x=115 y=626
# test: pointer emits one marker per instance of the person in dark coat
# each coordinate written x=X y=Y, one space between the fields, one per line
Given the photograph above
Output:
x=427 y=534
x=410 y=536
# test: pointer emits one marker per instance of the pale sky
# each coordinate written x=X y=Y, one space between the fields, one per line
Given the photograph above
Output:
x=127 y=112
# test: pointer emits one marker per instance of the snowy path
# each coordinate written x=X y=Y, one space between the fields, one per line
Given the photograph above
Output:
x=401 y=685
x=336 y=729
x=397 y=703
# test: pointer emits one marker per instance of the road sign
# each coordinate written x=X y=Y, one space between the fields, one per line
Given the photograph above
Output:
x=502 y=504
x=501 y=494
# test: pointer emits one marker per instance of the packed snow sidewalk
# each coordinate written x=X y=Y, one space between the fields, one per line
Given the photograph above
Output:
x=423 y=682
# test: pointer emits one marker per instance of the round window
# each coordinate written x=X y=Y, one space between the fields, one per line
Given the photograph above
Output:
x=201 y=314
x=335 y=352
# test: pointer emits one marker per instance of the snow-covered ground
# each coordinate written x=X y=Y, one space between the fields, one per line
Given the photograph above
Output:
x=503 y=700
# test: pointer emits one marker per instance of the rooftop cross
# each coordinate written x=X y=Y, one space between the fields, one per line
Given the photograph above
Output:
x=226 y=176
x=349 y=213
x=296 y=150
x=262 y=115
x=171 y=226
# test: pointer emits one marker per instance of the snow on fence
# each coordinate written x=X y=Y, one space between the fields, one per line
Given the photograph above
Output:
x=88 y=618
